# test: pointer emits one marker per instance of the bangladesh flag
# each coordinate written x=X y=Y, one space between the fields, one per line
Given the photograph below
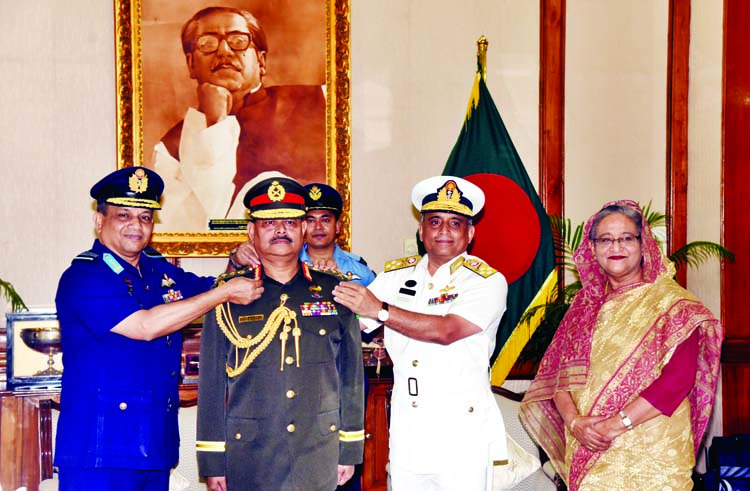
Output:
x=513 y=233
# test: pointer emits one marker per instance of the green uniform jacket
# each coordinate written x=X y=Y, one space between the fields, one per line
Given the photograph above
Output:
x=268 y=429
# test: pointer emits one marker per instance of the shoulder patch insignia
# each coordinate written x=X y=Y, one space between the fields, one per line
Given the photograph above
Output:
x=404 y=262
x=348 y=276
x=250 y=272
x=86 y=256
x=479 y=267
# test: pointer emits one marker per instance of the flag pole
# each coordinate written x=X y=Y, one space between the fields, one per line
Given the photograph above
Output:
x=482 y=45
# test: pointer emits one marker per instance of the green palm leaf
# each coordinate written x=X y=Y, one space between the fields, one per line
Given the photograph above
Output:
x=698 y=252
x=11 y=295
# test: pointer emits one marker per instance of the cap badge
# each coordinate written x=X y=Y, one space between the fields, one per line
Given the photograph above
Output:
x=449 y=192
x=276 y=191
x=138 y=181
x=315 y=193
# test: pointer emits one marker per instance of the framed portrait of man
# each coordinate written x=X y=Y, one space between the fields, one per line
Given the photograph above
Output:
x=212 y=93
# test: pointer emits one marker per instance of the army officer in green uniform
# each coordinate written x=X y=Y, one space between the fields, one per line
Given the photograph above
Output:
x=280 y=400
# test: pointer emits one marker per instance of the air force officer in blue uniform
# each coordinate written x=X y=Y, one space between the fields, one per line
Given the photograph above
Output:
x=120 y=307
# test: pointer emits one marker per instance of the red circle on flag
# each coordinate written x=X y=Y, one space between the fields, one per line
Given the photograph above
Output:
x=508 y=231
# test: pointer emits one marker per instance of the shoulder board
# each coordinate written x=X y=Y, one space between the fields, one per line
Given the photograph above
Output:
x=479 y=267
x=252 y=272
x=87 y=256
x=153 y=253
x=404 y=262
x=335 y=273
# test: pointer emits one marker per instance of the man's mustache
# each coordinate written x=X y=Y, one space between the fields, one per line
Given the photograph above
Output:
x=226 y=64
x=282 y=238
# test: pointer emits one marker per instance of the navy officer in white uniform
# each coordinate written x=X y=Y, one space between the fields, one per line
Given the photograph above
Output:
x=441 y=314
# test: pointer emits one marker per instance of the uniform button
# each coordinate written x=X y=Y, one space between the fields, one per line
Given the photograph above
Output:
x=322 y=332
x=169 y=341
x=430 y=286
x=147 y=288
x=173 y=373
x=290 y=394
x=290 y=428
x=289 y=360
x=123 y=406
x=414 y=404
x=333 y=427
x=415 y=363
x=471 y=409
x=238 y=436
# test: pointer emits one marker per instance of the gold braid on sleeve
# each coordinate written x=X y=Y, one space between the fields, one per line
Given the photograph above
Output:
x=281 y=314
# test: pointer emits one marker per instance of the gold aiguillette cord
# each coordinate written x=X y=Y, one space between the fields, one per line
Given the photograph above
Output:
x=281 y=314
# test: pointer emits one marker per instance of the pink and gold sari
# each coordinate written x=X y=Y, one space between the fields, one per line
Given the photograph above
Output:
x=607 y=350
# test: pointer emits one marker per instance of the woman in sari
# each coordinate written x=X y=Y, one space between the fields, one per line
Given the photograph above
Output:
x=624 y=393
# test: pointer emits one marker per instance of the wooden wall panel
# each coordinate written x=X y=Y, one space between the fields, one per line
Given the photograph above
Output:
x=552 y=106
x=735 y=277
x=678 y=59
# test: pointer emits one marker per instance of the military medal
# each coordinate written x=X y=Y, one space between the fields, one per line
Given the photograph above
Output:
x=317 y=309
x=315 y=291
x=166 y=281
x=172 y=296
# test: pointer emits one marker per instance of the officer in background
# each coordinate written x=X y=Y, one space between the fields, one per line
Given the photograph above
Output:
x=120 y=306
x=280 y=398
x=441 y=314
x=324 y=206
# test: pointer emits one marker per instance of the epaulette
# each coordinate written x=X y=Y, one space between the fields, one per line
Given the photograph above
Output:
x=479 y=267
x=335 y=272
x=404 y=262
x=153 y=253
x=251 y=272
x=86 y=256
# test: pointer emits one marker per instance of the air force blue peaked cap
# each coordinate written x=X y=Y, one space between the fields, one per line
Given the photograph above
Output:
x=321 y=196
x=137 y=187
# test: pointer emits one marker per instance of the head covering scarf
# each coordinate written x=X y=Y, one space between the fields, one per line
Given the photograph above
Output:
x=565 y=365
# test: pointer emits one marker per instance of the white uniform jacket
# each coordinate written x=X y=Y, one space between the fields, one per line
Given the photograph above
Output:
x=442 y=408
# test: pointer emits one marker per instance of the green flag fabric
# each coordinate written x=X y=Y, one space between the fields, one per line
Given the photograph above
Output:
x=513 y=233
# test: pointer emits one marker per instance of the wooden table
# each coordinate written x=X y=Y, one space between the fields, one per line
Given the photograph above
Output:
x=26 y=437
x=377 y=419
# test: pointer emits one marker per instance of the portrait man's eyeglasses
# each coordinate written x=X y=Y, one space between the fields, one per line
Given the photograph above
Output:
x=624 y=241
x=237 y=41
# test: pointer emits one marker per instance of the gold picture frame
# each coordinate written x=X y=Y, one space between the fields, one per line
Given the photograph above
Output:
x=132 y=126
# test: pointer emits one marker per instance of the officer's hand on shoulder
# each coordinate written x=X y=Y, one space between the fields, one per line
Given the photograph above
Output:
x=244 y=255
x=242 y=290
x=325 y=264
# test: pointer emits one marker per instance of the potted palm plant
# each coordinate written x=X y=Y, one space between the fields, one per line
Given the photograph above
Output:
x=12 y=296
x=566 y=240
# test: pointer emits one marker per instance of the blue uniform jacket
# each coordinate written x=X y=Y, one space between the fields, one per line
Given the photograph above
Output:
x=119 y=396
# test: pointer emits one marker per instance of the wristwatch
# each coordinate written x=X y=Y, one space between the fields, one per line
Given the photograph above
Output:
x=232 y=262
x=626 y=421
x=383 y=313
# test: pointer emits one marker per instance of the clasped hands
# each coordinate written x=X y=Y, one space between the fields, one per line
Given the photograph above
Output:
x=596 y=433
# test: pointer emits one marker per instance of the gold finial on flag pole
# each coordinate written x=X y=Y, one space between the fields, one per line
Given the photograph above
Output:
x=482 y=44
